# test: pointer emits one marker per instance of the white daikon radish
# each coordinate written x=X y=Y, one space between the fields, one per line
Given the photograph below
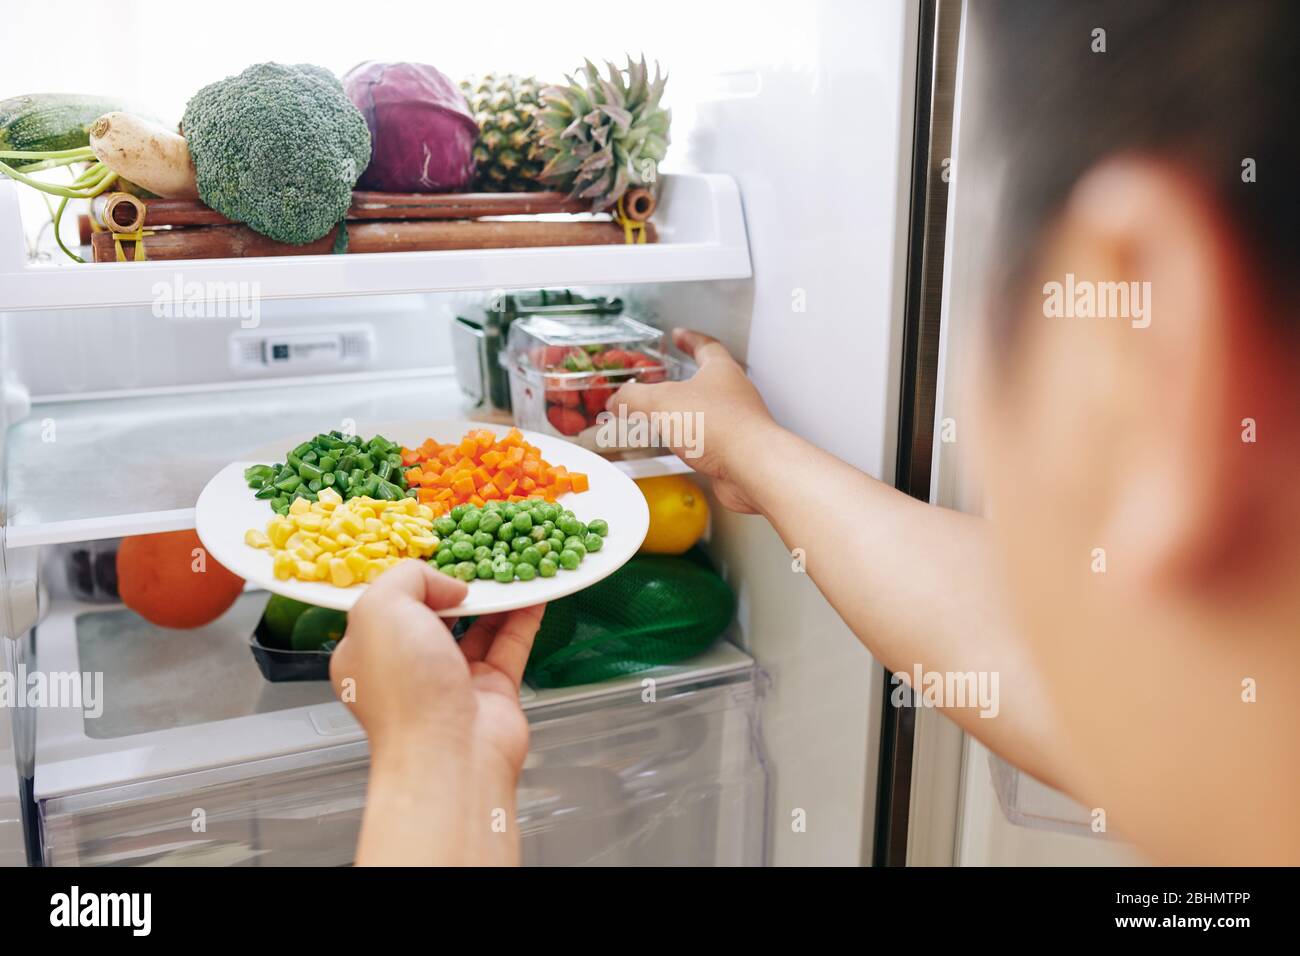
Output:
x=145 y=153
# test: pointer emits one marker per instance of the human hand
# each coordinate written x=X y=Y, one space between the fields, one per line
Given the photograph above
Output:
x=731 y=415
x=447 y=735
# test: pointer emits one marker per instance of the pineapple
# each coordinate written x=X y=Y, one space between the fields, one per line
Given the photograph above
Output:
x=602 y=136
x=508 y=156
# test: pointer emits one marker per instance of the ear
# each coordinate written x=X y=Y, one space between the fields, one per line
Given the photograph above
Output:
x=1202 y=369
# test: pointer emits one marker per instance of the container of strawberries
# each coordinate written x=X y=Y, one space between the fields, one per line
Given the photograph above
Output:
x=563 y=369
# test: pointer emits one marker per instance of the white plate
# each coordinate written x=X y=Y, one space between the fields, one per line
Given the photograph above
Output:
x=226 y=509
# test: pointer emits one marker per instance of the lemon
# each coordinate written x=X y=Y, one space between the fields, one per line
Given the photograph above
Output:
x=679 y=514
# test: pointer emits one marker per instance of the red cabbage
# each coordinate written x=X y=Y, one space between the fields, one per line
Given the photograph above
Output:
x=421 y=131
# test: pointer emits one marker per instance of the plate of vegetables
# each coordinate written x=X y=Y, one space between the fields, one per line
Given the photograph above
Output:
x=521 y=517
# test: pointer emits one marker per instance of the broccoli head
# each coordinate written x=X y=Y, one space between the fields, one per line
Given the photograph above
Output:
x=277 y=147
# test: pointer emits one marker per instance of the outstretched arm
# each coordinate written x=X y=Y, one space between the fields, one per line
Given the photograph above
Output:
x=915 y=583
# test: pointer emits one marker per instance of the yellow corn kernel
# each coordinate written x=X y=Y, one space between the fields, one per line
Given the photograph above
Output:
x=340 y=574
x=299 y=506
x=346 y=541
x=255 y=539
x=351 y=524
x=284 y=565
x=311 y=522
x=374 y=569
x=328 y=497
x=356 y=562
x=279 y=531
x=375 y=549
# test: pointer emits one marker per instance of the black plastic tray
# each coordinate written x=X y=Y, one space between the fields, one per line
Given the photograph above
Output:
x=277 y=664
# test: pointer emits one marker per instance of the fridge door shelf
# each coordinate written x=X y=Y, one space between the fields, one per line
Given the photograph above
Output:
x=699 y=219
x=161 y=449
x=1026 y=802
x=278 y=771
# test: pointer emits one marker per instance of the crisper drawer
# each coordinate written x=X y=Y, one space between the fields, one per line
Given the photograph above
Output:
x=615 y=774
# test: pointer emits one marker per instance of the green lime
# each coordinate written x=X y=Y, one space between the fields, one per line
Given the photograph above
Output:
x=280 y=616
x=316 y=626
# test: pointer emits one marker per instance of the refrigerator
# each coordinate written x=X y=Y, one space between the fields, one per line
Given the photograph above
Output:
x=806 y=218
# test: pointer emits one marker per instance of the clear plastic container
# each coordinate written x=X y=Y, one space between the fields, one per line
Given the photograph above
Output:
x=564 y=368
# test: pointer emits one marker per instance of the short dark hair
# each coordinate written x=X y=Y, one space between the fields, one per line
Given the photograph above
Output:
x=1205 y=83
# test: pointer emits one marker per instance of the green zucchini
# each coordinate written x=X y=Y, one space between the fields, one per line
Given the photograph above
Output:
x=44 y=122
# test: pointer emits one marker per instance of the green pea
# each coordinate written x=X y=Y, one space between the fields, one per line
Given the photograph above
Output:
x=593 y=542
x=525 y=571
x=490 y=521
x=459 y=535
x=484 y=570
x=549 y=525
x=557 y=541
x=573 y=541
x=570 y=559
x=492 y=505
x=449 y=570
x=505 y=573
x=568 y=524
x=481 y=552
x=543 y=547
x=530 y=555
x=600 y=526
x=458 y=512
x=466 y=571
x=509 y=511
x=469 y=521
x=538 y=533
x=523 y=522
x=463 y=550
x=547 y=568
x=501 y=547
x=547 y=513
x=506 y=532
x=520 y=543
x=445 y=557
x=482 y=539
x=444 y=525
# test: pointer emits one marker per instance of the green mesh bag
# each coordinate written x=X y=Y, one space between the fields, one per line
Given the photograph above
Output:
x=654 y=610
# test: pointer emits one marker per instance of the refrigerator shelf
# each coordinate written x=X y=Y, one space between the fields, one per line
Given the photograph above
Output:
x=156 y=451
x=184 y=702
x=700 y=222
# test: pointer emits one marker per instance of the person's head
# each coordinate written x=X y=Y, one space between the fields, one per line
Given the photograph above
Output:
x=1141 y=391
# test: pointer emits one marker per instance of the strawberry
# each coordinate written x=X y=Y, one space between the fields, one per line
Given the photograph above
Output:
x=596 y=395
x=566 y=421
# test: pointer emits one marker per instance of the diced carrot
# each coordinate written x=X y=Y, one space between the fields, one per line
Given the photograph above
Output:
x=492 y=458
x=527 y=484
x=427 y=495
x=476 y=501
x=509 y=487
x=561 y=485
x=489 y=491
x=463 y=486
x=446 y=494
x=513 y=437
x=410 y=457
x=447 y=455
x=414 y=476
x=577 y=481
x=532 y=468
x=481 y=477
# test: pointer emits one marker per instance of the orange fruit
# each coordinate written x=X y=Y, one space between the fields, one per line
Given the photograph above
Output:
x=679 y=514
x=170 y=580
